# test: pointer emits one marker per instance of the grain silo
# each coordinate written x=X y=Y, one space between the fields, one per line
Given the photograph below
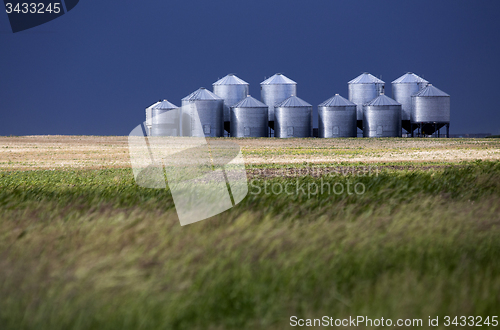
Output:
x=149 y=117
x=402 y=90
x=430 y=111
x=382 y=118
x=232 y=89
x=209 y=108
x=275 y=90
x=363 y=89
x=293 y=118
x=164 y=124
x=337 y=118
x=249 y=118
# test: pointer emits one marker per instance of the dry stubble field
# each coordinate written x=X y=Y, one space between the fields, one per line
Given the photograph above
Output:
x=98 y=152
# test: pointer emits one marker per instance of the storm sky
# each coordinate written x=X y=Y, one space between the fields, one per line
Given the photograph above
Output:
x=94 y=70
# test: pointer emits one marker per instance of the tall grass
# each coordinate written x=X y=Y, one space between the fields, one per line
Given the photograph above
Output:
x=91 y=250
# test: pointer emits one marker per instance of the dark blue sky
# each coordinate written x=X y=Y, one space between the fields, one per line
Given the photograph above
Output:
x=95 y=69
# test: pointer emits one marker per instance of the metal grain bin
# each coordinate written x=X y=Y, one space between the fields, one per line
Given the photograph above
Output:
x=161 y=124
x=430 y=105
x=293 y=118
x=402 y=90
x=337 y=118
x=149 y=117
x=249 y=118
x=275 y=90
x=232 y=89
x=363 y=89
x=209 y=108
x=382 y=118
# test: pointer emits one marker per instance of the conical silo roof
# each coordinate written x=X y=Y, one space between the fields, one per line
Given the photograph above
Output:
x=230 y=79
x=292 y=102
x=201 y=94
x=164 y=105
x=431 y=91
x=366 y=78
x=409 y=78
x=337 y=101
x=381 y=101
x=189 y=96
x=278 y=79
x=250 y=102
x=152 y=105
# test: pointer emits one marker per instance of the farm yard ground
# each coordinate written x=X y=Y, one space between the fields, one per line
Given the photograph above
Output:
x=83 y=247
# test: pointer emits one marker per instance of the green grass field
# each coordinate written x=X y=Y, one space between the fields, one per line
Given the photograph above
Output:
x=88 y=249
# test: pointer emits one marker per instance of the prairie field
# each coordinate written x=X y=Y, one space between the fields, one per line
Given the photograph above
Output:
x=104 y=152
x=413 y=233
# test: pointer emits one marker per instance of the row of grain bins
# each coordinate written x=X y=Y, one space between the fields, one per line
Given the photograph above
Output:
x=417 y=107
